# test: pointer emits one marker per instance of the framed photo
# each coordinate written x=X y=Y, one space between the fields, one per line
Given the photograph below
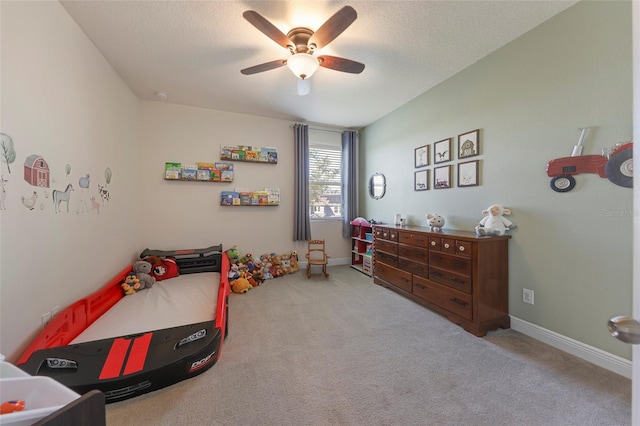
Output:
x=422 y=156
x=469 y=144
x=442 y=177
x=468 y=173
x=442 y=151
x=421 y=180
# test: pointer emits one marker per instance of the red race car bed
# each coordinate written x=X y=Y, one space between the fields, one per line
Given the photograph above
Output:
x=125 y=346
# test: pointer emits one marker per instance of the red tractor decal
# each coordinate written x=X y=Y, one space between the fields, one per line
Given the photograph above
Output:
x=614 y=164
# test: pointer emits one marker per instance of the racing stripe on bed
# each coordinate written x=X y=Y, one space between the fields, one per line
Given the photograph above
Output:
x=138 y=354
x=115 y=359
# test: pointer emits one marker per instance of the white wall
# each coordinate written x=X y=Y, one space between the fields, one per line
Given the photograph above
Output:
x=177 y=213
x=60 y=99
x=529 y=98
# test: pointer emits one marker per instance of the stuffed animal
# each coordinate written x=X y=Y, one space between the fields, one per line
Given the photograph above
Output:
x=246 y=258
x=267 y=269
x=494 y=223
x=233 y=254
x=294 y=261
x=130 y=285
x=436 y=222
x=162 y=268
x=258 y=276
x=142 y=269
x=241 y=285
x=234 y=272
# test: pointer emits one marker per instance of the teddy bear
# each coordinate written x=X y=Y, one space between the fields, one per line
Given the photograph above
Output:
x=494 y=223
x=436 y=222
x=240 y=285
x=142 y=269
x=130 y=285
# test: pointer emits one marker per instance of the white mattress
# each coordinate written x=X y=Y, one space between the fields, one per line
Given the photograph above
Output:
x=182 y=300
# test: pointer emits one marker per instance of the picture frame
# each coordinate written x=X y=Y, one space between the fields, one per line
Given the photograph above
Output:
x=469 y=144
x=442 y=177
x=468 y=173
x=421 y=156
x=421 y=180
x=442 y=151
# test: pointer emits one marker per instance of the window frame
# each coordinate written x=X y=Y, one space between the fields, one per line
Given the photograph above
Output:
x=330 y=147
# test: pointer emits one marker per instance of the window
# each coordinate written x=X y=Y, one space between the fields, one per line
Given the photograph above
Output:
x=325 y=175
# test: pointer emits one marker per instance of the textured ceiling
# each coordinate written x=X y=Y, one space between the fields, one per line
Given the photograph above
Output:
x=194 y=50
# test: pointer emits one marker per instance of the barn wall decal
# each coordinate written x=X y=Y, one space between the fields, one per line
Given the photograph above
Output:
x=36 y=171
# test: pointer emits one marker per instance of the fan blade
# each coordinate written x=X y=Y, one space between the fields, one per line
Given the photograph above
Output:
x=333 y=27
x=340 y=64
x=264 y=67
x=267 y=28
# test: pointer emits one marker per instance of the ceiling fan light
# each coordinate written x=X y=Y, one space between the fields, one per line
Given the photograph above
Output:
x=302 y=65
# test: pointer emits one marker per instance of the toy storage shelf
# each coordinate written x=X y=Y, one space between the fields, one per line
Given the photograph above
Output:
x=362 y=248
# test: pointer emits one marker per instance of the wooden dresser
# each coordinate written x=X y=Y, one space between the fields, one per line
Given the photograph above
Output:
x=455 y=273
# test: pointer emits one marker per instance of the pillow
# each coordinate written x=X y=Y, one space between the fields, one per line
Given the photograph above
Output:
x=162 y=269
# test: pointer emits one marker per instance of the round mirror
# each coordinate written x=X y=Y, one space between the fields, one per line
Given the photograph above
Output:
x=377 y=186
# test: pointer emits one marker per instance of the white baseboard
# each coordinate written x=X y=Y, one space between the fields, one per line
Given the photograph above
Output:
x=589 y=353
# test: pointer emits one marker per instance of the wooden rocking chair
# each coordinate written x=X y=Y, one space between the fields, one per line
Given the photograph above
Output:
x=316 y=256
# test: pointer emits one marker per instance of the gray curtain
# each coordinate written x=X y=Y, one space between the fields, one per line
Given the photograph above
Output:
x=349 y=180
x=301 y=222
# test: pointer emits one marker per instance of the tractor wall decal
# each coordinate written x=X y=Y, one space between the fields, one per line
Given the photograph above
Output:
x=615 y=164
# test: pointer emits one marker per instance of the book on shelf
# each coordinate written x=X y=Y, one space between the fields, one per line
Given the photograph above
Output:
x=189 y=171
x=229 y=198
x=173 y=170
x=273 y=196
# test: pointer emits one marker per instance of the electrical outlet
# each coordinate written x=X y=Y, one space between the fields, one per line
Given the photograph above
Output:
x=54 y=311
x=527 y=296
x=46 y=318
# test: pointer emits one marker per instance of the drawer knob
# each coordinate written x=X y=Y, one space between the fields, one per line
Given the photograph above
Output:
x=446 y=245
x=461 y=248
x=433 y=243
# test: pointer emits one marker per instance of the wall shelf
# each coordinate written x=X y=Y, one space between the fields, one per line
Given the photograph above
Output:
x=249 y=154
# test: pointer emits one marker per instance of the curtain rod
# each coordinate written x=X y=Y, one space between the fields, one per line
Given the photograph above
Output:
x=327 y=130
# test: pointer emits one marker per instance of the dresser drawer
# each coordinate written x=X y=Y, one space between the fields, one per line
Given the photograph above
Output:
x=457 y=264
x=386 y=234
x=450 y=245
x=418 y=268
x=397 y=277
x=389 y=259
x=386 y=246
x=451 y=279
x=414 y=253
x=453 y=301
x=414 y=239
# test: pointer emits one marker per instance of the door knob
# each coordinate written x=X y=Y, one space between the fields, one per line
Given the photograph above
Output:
x=625 y=329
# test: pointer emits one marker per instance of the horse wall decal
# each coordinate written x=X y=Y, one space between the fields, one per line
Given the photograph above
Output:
x=60 y=196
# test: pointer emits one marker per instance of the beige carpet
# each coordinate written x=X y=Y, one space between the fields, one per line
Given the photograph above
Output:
x=345 y=351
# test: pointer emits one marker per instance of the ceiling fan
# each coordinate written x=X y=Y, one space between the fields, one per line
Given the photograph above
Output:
x=302 y=43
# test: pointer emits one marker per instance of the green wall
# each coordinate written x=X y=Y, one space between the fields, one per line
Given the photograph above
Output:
x=529 y=100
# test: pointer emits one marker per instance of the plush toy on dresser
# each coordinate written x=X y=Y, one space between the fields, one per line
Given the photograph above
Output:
x=494 y=223
x=436 y=222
